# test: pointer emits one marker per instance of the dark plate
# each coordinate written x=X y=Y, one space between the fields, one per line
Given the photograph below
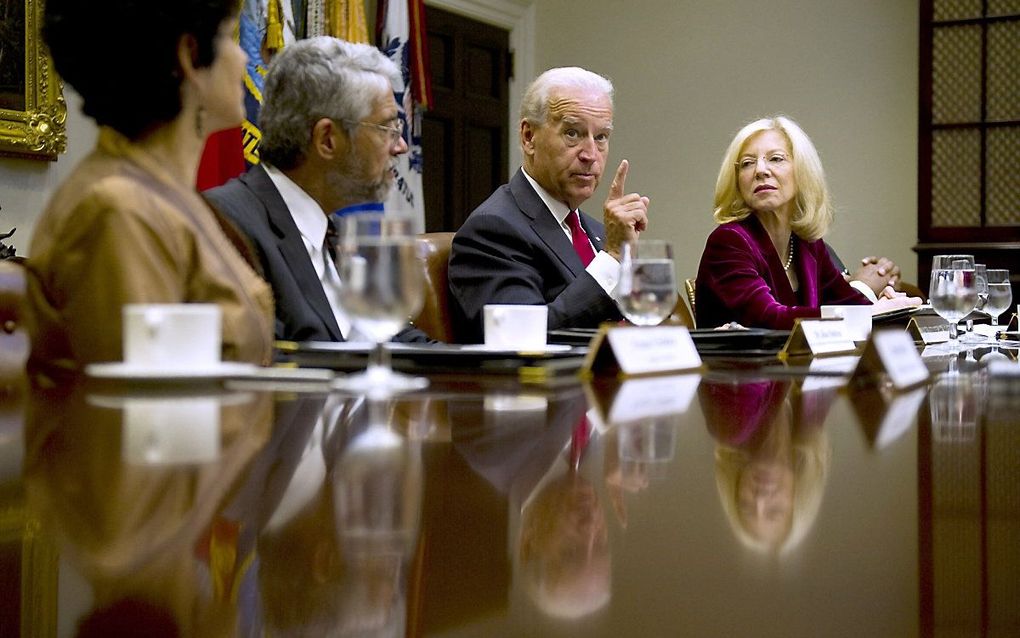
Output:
x=439 y=358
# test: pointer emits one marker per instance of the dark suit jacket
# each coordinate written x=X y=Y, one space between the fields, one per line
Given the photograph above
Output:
x=740 y=279
x=511 y=250
x=303 y=313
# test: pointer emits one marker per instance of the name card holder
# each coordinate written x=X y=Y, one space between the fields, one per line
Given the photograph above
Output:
x=884 y=417
x=928 y=329
x=890 y=353
x=635 y=350
x=1013 y=325
x=814 y=337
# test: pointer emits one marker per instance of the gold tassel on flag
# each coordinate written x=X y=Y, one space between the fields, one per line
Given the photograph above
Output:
x=274 y=26
x=347 y=20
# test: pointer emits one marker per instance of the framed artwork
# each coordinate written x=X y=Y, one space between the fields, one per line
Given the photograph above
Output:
x=33 y=114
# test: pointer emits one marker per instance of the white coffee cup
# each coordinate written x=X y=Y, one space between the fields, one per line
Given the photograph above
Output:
x=172 y=336
x=857 y=318
x=515 y=327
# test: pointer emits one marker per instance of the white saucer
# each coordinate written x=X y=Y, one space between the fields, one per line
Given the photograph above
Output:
x=129 y=371
x=549 y=348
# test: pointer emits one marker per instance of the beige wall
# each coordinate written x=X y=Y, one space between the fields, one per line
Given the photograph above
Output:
x=25 y=185
x=688 y=74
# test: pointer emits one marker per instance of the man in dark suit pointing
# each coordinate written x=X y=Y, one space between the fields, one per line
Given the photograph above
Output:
x=528 y=243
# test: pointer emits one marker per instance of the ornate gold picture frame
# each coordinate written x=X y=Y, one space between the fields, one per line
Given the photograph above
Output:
x=33 y=114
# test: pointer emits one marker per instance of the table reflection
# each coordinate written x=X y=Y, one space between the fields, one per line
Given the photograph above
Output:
x=609 y=507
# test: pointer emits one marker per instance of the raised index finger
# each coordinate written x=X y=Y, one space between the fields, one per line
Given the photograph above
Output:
x=619 y=180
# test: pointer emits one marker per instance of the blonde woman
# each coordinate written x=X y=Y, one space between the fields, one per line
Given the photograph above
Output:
x=766 y=264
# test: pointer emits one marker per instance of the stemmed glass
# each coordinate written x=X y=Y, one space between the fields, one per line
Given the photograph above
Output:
x=383 y=286
x=1000 y=294
x=981 y=279
x=953 y=291
x=647 y=290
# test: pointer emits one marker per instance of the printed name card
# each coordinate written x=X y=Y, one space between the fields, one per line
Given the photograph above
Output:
x=928 y=329
x=632 y=350
x=893 y=353
x=885 y=418
x=818 y=336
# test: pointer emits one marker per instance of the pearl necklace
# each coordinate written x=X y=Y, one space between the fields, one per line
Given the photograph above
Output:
x=789 y=255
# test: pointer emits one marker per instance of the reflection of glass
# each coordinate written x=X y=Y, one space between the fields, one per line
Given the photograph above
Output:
x=1000 y=294
x=955 y=405
x=649 y=443
x=382 y=277
x=953 y=290
x=378 y=491
x=647 y=290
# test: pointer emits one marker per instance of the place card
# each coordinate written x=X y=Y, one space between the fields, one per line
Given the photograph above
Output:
x=928 y=329
x=633 y=350
x=828 y=335
x=653 y=396
x=893 y=353
x=886 y=418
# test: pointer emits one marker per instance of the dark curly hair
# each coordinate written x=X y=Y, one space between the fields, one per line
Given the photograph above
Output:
x=121 y=55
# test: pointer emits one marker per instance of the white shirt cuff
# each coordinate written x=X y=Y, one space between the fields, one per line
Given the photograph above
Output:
x=606 y=270
x=864 y=289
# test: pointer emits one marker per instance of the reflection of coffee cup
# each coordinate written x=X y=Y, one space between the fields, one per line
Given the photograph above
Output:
x=168 y=431
x=515 y=327
x=856 y=318
x=172 y=336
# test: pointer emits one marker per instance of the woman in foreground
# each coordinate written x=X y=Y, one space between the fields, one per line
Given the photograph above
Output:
x=127 y=225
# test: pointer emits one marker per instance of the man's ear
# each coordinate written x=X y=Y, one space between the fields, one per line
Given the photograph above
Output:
x=527 y=137
x=329 y=139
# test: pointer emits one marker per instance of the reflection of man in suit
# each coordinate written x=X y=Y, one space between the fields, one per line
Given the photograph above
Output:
x=330 y=131
x=528 y=243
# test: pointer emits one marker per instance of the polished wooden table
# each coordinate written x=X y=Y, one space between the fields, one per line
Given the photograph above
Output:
x=729 y=502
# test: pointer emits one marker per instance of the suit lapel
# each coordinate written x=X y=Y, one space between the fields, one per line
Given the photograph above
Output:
x=544 y=224
x=292 y=249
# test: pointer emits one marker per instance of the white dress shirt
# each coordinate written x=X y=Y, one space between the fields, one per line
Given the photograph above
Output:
x=311 y=223
x=604 y=268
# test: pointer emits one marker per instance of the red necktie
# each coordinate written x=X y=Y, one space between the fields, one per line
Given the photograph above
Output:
x=580 y=239
x=579 y=440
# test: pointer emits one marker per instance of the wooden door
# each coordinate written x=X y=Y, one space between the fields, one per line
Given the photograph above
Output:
x=465 y=133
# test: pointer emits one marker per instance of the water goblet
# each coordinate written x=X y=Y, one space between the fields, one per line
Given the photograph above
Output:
x=953 y=291
x=647 y=292
x=981 y=279
x=1000 y=294
x=382 y=287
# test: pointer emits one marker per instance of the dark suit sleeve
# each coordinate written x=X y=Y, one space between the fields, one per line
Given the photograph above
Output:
x=496 y=261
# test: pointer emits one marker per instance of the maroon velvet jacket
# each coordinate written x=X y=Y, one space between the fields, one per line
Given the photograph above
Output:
x=741 y=279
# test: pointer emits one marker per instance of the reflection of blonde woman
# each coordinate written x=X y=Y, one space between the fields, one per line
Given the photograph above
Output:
x=771 y=461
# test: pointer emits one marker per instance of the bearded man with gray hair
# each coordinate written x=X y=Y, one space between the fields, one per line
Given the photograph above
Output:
x=330 y=132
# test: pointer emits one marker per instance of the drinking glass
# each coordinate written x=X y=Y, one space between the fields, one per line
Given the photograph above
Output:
x=1000 y=294
x=647 y=290
x=981 y=280
x=382 y=287
x=953 y=291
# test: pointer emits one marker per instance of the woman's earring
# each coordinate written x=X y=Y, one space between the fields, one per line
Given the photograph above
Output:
x=200 y=121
